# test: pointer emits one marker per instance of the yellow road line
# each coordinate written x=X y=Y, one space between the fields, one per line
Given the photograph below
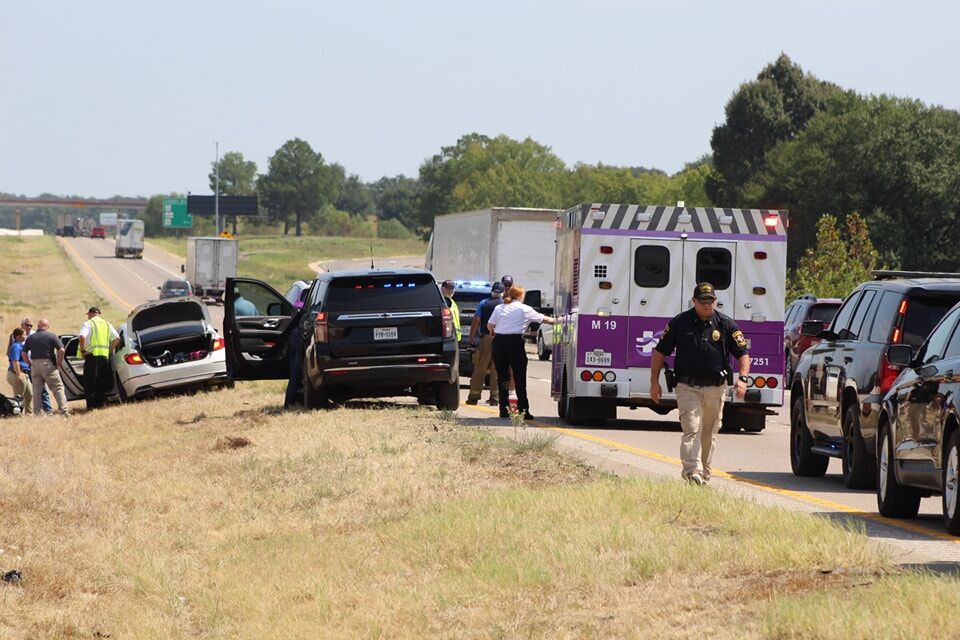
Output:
x=790 y=493
x=93 y=273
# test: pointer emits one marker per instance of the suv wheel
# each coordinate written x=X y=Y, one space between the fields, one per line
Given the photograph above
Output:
x=859 y=467
x=951 y=489
x=448 y=395
x=542 y=352
x=893 y=499
x=313 y=398
x=803 y=461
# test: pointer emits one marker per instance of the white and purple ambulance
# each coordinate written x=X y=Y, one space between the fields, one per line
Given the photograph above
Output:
x=623 y=271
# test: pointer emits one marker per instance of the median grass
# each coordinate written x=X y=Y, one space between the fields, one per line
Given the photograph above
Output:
x=281 y=260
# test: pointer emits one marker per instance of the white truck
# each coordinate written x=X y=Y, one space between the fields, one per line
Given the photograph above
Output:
x=129 y=239
x=210 y=261
x=484 y=245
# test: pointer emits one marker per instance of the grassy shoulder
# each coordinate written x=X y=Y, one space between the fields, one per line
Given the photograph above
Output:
x=219 y=516
x=281 y=260
x=37 y=279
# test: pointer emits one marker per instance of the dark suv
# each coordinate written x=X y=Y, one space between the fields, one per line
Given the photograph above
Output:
x=837 y=388
x=804 y=308
x=362 y=334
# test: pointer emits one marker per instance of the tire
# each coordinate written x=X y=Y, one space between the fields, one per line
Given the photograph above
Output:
x=313 y=398
x=542 y=353
x=859 y=467
x=448 y=395
x=121 y=394
x=804 y=462
x=893 y=499
x=951 y=484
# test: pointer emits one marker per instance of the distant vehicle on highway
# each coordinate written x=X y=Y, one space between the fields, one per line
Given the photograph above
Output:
x=175 y=288
x=210 y=261
x=365 y=333
x=98 y=232
x=169 y=345
x=129 y=239
x=68 y=231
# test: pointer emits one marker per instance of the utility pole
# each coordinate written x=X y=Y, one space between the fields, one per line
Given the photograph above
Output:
x=216 y=191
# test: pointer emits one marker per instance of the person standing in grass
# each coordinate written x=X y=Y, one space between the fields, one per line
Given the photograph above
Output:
x=27 y=325
x=44 y=357
x=18 y=371
x=97 y=339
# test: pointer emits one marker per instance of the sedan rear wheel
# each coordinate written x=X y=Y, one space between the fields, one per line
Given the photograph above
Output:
x=951 y=490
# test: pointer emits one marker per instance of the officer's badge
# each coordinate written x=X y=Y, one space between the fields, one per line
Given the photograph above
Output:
x=739 y=339
x=715 y=336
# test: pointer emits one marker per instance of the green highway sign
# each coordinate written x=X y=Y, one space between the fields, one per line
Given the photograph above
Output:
x=175 y=213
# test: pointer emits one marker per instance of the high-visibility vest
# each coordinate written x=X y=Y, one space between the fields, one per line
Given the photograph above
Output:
x=455 y=311
x=98 y=342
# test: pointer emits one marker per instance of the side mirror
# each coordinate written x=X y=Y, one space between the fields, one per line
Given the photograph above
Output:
x=274 y=309
x=183 y=269
x=532 y=298
x=900 y=354
x=812 y=328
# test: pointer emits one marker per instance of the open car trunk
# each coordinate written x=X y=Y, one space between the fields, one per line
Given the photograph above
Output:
x=172 y=333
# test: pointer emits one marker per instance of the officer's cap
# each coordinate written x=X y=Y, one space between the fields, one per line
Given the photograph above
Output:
x=448 y=284
x=93 y=310
x=507 y=281
x=497 y=287
x=704 y=291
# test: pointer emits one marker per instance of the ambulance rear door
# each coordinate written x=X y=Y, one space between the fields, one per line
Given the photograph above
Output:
x=713 y=262
x=656 y=295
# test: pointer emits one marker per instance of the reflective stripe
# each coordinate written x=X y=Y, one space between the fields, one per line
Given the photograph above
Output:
x=99 y=337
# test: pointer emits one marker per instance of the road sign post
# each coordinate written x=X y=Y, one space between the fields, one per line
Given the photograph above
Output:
x=175 y=213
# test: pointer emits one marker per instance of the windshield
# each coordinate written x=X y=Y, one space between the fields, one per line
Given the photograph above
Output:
x=823 y=312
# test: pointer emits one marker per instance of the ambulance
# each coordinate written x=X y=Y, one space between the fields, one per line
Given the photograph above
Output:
x=623 y=271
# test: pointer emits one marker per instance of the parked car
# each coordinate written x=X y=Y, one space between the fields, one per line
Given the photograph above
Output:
x=837 y=388
x=363 y=334
x=297 y=293
x=174 y=288
x=544 y=341
x=169 y=345
x=803 y=309
x=919 y=439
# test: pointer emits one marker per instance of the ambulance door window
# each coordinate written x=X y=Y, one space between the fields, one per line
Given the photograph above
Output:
x=651 y=266
x=715 y=265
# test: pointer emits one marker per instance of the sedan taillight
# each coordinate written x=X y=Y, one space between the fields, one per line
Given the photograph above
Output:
x=320 y=329
x=133 y=358
x=218 y=344
x=447 y=318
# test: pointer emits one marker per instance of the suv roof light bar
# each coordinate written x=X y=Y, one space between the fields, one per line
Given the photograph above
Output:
x=884 y=275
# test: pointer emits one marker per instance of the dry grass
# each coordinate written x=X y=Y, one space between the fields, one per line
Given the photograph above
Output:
x=218 y=516
x=37 y=279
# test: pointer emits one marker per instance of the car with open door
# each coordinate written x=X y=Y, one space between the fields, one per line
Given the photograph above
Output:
x=364 y=333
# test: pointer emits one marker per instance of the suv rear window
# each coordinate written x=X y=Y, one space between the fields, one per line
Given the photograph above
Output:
x=823 y=312
x=923 y=314
x=382 y=293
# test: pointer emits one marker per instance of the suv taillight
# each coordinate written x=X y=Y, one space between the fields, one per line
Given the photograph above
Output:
x=889 y=372
x=447 y=322
x=320 y=332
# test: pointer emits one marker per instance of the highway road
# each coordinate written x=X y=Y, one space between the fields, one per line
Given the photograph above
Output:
x=639 y=442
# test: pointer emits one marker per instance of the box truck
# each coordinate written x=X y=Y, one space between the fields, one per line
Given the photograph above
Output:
x=210 y=261
x=129 y=239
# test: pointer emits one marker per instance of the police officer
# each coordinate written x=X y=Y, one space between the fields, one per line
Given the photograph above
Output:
x=446 y=288
x=483 y=357
x=704 y=339
x=97 y=339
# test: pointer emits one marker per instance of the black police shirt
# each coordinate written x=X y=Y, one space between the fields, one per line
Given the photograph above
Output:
x=699 y=343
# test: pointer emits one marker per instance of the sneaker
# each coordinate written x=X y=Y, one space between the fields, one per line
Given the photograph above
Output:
x=493 y=402
x=471 y=401
x=695 y=478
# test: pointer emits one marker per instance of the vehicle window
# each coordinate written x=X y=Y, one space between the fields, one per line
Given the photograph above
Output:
x=651 y=266
x=714 y=265
x=791 y=312
x=865 y=306
x=469 y=301
x=252 y=299
x=936 y=343
x=922 y=314
x=380 y=293
x=823 y=312
x=885 y=317
x=953 y=348
x=842 y=320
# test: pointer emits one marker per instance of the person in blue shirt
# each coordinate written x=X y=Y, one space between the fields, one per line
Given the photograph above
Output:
x=18 y=371
x=483 y=356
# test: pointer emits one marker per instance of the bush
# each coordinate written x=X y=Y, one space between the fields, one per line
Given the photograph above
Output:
x=394 y=230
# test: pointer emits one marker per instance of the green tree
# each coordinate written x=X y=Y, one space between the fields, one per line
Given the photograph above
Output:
x=835 y=264
x=397 y=199
x=238 y=177
x=775 y=107
x=297 y=184
x=355 y=196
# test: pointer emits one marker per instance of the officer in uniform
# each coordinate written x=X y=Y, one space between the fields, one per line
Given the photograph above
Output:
x=447 y=288
x=704 y=339
x=483 y=356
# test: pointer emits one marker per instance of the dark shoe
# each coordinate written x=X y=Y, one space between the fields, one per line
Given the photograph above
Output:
x=471 y=401
x=493 y=402
x=527 y=416
x=504 y=414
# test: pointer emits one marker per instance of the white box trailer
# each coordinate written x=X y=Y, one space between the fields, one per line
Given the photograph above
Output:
x=129 y=239
x=210 y=261
x=623 y=271
x=486 y=244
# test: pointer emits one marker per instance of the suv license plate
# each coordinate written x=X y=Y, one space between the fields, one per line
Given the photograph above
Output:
x=384 y=333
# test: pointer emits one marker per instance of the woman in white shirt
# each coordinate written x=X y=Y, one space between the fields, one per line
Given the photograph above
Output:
x=507 y=325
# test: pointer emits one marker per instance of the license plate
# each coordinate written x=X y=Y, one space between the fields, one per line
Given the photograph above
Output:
x=597 y=359
x=384 y=333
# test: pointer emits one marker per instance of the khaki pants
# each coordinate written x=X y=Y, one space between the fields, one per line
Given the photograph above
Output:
x=45 y=372
x=483 y=362
x=21 y=387
x=700 y=411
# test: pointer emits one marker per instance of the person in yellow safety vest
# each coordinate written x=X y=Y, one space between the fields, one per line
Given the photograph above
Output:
x=446 y=288
x=97 y=339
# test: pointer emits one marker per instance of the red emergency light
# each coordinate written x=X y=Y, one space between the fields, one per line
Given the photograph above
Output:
x=771 y=221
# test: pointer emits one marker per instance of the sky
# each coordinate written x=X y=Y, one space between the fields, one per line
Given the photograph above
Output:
x=101 y=98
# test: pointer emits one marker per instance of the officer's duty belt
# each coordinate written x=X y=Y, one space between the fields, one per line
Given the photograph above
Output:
x=695 y=381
